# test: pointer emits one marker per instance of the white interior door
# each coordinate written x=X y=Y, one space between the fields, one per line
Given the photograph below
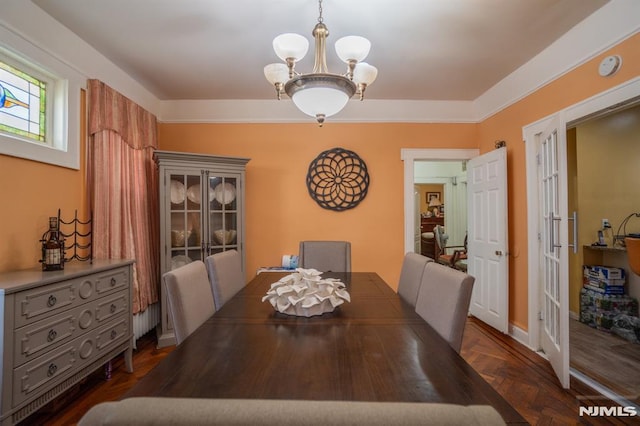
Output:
x=553 y=249
x=488 y=242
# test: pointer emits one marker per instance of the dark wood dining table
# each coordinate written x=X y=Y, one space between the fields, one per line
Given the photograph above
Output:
x=374 y=348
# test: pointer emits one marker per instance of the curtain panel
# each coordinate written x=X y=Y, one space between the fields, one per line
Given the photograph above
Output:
x=123 y=185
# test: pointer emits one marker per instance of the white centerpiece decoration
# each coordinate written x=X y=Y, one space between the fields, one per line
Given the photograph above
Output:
x=305 y=293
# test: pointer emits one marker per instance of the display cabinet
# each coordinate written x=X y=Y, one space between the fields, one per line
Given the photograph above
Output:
x=201 y=213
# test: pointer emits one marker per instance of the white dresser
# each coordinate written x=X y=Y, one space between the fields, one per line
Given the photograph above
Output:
x=58 y=327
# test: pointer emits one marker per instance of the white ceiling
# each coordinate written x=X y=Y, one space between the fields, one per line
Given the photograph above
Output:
x=216 y=49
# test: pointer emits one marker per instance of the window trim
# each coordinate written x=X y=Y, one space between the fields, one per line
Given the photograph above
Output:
x=63 y=148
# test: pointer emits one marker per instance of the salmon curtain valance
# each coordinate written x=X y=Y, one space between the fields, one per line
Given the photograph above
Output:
x=110 y=110
x=123 y=187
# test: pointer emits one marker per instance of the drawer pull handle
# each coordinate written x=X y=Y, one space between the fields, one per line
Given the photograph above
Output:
x=51 y=301
x=113 y=282
x=52 y=370
x=112 y=308
x=52 y=335
x=114 y=334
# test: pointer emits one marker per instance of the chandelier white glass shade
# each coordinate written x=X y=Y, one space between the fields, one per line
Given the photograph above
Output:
x=320 y=93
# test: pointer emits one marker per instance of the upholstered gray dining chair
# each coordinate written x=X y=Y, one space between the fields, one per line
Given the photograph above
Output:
x=189 y=298
x=443 y=301
x=413 y=267
x=226 y=275
x=326 y=256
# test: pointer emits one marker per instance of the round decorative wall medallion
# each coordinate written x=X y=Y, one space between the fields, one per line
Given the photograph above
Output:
x=338 y=179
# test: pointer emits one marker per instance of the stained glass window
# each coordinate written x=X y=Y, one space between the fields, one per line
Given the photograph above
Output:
x=22 y=104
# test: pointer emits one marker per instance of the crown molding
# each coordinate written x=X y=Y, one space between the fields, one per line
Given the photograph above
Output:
x=284 y=111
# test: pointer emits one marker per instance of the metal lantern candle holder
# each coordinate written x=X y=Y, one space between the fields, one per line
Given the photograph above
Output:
x=52 y=247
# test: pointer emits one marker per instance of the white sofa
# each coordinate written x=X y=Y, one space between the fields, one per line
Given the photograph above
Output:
x=155 y=411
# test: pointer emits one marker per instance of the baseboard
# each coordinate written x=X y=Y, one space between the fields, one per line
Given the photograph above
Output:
x=520 y=335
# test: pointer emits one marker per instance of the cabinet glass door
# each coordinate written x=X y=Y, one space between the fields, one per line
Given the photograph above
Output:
x=185 y=219
x=223 y=214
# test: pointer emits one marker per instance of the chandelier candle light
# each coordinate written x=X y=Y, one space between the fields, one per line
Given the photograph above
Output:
x=320 y=93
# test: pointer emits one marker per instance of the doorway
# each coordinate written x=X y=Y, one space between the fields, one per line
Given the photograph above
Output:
x=603 y=345
x=562 y=230
x=411 y=157
x=441 y=191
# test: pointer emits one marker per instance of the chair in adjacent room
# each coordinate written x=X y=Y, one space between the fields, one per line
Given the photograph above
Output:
x=189 y=297
x=326 y=256
x=443 y=301
x=226 y=275
x=413 y=267
x=443 y=251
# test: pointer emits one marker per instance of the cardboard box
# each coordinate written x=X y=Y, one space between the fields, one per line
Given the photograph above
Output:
x=605 y=273
x=597 y=282
x=606 y=289
x=603 y=279
x=608 y=281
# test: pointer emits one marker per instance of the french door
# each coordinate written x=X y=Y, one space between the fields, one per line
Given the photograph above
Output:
x=553 y=248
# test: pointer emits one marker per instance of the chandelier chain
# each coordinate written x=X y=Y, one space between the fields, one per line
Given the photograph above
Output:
x=320 y=19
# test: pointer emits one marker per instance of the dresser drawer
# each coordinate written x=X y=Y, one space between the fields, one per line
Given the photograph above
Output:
x=32 y=377
x=112 y=335
x=41 y=373
x=108 y=281
x=111 y=306
x=42 y=302
x=34 y=339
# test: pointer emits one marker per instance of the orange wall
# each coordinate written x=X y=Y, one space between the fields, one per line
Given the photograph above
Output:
x=279 y=211
x=30 y=193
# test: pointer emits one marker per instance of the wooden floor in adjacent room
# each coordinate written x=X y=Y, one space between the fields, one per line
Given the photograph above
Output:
x=522 y=377
x=606 y=358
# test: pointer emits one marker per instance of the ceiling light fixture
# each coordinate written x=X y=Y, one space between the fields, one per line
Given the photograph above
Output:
x=320 y=94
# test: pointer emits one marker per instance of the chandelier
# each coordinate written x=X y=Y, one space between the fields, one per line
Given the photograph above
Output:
x=320 y=93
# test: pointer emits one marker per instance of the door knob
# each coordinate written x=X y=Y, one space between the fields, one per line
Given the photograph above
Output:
x=498 y=252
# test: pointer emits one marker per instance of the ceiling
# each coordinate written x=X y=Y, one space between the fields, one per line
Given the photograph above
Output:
x=217 y=49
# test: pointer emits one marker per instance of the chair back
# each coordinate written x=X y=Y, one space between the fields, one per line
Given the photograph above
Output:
x=413 y=267
x=226 y=275
x=441 y=240
x=443 y=301
x=190 y=298
x=326 y=256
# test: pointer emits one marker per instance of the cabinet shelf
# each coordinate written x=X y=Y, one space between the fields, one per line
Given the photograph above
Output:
x=606 y=249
